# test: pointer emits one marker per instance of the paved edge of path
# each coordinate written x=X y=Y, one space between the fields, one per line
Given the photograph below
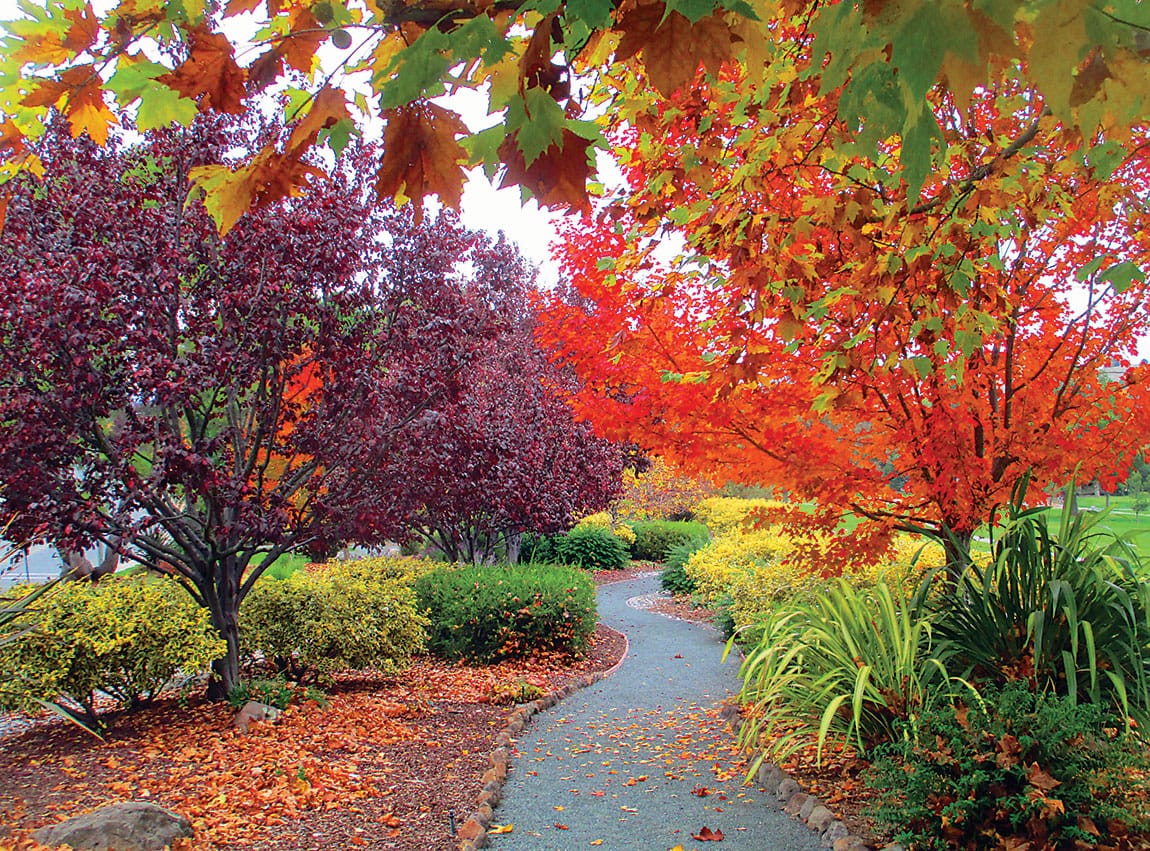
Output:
x=472 y=833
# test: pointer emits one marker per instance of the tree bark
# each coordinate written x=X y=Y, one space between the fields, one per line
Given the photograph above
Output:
x=224 y=605
x=514 y=546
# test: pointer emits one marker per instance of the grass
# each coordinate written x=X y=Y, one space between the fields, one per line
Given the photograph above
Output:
x=284 y=566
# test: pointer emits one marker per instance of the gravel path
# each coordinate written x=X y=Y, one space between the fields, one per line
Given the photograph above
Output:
x=641 y=761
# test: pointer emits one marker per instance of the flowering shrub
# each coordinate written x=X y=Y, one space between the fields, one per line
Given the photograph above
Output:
x=484 y=614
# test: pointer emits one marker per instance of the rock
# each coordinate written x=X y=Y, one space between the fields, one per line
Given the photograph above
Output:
x=795 y=804
x=820 y=818
x=850 y=843
x=254 y=711
x=834 y=831
x=808 y=807
x=128 y=826
x=788 y=788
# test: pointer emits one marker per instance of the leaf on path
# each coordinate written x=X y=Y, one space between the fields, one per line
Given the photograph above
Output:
x=708 y=835
x=501 y=828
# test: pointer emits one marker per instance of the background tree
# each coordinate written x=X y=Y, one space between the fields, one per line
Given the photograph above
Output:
x=508 y=456
x=905 y=357
x=202 y=403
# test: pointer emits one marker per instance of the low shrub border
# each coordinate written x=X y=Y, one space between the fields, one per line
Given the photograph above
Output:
x=472 y=834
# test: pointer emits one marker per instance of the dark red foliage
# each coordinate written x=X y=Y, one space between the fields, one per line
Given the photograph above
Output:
x=199 y=401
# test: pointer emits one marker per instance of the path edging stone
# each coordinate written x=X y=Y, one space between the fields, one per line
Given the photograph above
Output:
x=800 y=805
x=473 y=832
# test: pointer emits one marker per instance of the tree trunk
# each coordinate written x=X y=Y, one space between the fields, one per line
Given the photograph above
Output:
x=956 y=546
x=514 y=546
x=224 y=604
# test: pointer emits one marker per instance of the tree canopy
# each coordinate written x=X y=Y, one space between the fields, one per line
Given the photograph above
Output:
x=546 y=67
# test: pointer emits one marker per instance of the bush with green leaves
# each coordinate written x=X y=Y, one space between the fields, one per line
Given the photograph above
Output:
x=1033 y=768
x=593 y=548
x=124 y=636
x=674 y=577
x=852 y=665
x=338 y=617
x=655 y=538
x=1065 y=610
x=484 y=614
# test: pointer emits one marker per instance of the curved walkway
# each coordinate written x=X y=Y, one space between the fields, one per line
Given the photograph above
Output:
x=641 y=761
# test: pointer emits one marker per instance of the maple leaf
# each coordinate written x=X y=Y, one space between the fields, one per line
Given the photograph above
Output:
x=299 y=45
x=81 y=98
x=210 y=74
x=672 y=46
x=328 y=107
x=84 y=30
x=421 y=156
x=1040 y=779
x=708 y=835
x=557 y=176
x=270 y=176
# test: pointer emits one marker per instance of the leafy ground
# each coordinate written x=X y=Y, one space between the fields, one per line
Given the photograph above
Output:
x=382 y=766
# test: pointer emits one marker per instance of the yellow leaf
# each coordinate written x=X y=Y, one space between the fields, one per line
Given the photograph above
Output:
x=501 y=828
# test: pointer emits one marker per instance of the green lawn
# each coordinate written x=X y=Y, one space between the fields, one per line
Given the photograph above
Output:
x=284 y=566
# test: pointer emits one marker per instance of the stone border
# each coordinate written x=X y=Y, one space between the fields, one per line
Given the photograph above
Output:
x=472 y=834
x=798 y=804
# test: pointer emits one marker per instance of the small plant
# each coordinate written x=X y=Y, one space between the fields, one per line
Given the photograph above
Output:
x=275 y=692
x=519 y=691
x=1036 y=769
x=674 y=577
x=126 y=637
x=484 y=614
x=592 y=548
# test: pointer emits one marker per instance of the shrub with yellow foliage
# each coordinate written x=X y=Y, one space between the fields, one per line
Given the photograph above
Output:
x=602 y=520
x=722 y=514
x=752 y=571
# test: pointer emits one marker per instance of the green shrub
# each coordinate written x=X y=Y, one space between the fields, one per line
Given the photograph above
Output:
x=851 y=664
x=539 y=549
x=674 y=577
x=342 y=616
x=484 y=614
x=593 y=548
x=125 y=637
x=275 y=692
x=1034 y=768
x=1063 y=610
x=655 y=538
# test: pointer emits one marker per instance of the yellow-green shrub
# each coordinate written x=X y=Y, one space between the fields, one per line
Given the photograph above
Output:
x=341 y=616
x=752 y=571
x=124 y=636
x=722 y=514
x=602 y=520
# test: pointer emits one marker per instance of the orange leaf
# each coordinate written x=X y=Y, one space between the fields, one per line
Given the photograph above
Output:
x=83 y=101
x=328 y=107
x=672 y=46
x=558 y=176
x=708 y=835
x=421 y=156
x=210 y=74
x=1039 y=778
x=84 y=30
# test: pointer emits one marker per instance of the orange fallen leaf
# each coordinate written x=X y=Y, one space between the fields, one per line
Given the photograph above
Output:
x=501 y=828
x=708 y=835
x=559 y=826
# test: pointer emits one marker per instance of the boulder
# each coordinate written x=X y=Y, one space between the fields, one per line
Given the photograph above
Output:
x=254 y=711
x=127 y=826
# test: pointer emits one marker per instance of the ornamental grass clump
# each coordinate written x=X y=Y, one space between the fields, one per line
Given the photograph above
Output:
x=485 y=614
x=1064 y=611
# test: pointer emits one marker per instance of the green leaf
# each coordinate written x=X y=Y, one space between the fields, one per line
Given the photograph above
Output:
x=596 y=14
x=539 y=121
x=483 y=147
x=417 y=70
x=160 y=106
x=1122 y=275
x=1089 y=269
x=693 y=10
x=339 y=135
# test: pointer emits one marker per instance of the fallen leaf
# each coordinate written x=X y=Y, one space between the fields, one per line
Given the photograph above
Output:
x=501 y=828
x=708 y=835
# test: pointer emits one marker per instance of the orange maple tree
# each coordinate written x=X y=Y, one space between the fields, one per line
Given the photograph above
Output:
x=903 y=357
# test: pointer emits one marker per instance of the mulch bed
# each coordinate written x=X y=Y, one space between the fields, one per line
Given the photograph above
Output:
x=384 y=765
